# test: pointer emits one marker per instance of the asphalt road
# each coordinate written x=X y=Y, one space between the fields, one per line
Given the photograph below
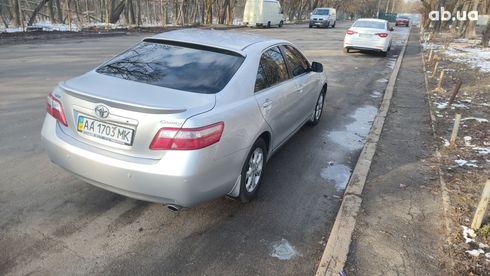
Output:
x=54 y=223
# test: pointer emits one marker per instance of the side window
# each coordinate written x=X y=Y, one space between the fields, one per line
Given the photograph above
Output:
x=261 y=81
x=272 y=68
x=295 y=61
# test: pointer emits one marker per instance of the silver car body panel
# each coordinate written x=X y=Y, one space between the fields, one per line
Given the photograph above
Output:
x=180 y=177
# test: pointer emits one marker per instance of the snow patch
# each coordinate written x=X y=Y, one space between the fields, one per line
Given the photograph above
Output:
x=475 y=252
x=283 y=250
x=475 y=57
x=468 y=234
x=482 y=151
x=375 y=94
x=467 y=141
x=480 y=120
x=468 y=163
x=441 y=105
x=446 y=142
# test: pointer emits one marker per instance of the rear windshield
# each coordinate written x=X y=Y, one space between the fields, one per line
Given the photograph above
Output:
x=369 y=24
x=403 y=17
x=173 y=65
x=321 y=12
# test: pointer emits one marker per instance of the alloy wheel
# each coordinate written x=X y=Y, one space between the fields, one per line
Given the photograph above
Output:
x=254 y=172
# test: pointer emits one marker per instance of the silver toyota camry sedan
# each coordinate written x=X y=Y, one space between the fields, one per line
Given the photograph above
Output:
x=184 y=116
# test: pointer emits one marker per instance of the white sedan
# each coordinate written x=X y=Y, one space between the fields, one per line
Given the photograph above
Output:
x=369 y=34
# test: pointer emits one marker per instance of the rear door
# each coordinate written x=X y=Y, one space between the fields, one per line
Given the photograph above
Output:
x=307 y=87
x=277 y=96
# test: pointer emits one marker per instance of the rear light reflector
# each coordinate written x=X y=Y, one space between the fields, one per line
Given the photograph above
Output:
x=350 y=32
x=187 y=138
x=55 y=109
x=382 y=34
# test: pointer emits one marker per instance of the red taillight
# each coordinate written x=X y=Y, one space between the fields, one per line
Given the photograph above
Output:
x=55 y=109
x=187 y=138
x=350 y=32
x=382 y=34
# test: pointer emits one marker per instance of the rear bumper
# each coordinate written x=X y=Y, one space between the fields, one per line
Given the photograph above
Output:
x=401 y=23
x=380 y=45
x=361 y=48
x=184 y=178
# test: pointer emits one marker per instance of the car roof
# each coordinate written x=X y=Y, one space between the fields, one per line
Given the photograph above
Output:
x=230 y=40
x=371 y=19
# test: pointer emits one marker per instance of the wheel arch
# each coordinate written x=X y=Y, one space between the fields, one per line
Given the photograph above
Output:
x=267 y=137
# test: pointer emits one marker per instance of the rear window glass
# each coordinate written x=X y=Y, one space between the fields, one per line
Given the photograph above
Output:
x=369 y=24
x=185 y=67
x=321 y=12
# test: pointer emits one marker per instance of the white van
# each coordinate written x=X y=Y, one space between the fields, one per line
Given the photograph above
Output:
x=263 y=13
x=323 y=17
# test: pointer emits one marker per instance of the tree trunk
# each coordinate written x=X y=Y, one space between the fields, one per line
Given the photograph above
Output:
x=116 y=12
x=486 y=35
x=470 y=32
x=224 y=9
x=139 y=12
x=77 y=11
x=17 y=16
x=86 y=10
x=36 y=11
x=231 y=13
x=208 y=12
x=51 y=11
x=59 y=11
x=129 y=12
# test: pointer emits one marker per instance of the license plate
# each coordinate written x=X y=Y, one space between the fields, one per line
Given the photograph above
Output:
x=105 y=131
x=364 y=35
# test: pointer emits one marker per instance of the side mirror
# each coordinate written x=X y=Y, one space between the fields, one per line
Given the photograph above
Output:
x=391 y=29
x=316 y=67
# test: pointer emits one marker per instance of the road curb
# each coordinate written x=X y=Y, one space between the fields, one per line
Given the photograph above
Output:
x=337 y=248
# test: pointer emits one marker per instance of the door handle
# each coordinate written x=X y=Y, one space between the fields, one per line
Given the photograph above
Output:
x=267 y=105
x=300 y=89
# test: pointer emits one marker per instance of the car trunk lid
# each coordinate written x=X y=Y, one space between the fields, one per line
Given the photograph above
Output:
x=135 y=112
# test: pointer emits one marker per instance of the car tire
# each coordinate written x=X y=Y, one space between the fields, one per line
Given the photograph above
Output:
x=335 y=22
x=252 y=168
x=268 y=24
x=346 y=50
x=280 y=24
x=311 y=26
x=318 y=110
x=384 y=54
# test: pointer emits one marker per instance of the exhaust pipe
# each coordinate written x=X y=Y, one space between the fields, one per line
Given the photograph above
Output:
x=174 y=208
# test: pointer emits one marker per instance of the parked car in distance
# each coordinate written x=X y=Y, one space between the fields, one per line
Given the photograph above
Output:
x=402 y=20
x=323 y=17
x=263 y=13
x=185 y=116
x=369 y=34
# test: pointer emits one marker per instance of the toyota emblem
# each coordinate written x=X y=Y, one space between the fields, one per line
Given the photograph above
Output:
x=102 y=111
